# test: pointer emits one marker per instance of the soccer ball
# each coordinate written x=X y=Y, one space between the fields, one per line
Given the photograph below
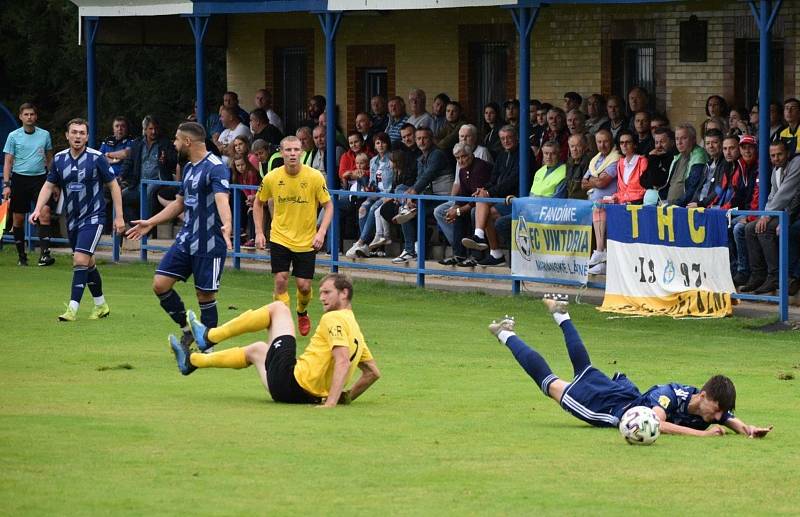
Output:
x=640 y=426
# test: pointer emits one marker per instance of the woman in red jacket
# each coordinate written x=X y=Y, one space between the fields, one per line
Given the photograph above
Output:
x=629 y=171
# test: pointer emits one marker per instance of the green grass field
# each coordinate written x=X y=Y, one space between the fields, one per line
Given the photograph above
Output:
x=95 y=418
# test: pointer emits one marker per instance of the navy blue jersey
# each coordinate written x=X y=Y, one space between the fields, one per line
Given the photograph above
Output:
x=674 y=399
x=200 y=235
x=81 y=181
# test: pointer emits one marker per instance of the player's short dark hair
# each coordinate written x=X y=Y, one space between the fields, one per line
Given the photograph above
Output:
x=780 y=143
x=424 y=129
x=664 y=130
x=721 y=390
x=28 y=106
x=574 y=97
x=714 y=133
x=194 y=130
x=122 y=118
x=408 y=126
x=340 y=282
x=78 y=122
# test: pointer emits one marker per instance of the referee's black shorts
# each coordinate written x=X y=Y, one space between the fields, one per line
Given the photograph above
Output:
x=283 y=387
x=302 y=263
x=25 y=192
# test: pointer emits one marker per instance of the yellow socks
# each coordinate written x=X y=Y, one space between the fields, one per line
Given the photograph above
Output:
x=230 y=358
x=248 y=321
x=283 y=297
x=303 y=300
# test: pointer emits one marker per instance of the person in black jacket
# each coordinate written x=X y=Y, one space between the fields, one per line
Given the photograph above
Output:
x=152 y=157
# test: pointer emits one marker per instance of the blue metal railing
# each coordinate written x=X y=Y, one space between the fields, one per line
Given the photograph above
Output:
x=334 y=262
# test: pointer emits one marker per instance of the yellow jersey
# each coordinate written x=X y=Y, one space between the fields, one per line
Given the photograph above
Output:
x=296 y=199
x=314 y=368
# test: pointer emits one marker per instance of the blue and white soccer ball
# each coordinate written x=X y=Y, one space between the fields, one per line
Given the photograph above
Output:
x=640 y=426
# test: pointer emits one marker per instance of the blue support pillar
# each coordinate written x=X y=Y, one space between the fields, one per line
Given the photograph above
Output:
x=765 y=15
x=90 y=24
x=199 y=25
x=524 y=18
x=330 y=24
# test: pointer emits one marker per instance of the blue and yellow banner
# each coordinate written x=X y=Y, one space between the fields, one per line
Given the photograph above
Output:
x=551 y=238
x=667 y=260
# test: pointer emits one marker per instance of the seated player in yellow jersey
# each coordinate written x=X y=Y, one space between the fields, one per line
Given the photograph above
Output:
x=295 y=192
x=318 y=376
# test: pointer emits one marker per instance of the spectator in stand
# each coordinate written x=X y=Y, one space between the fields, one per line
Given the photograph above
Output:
x=656 y=178
x=229 y=100
x=241 y=147
x=504 y=182
x=318 y=157
x=539 y=128
x=315 y=108
x=644 y=138
x=658 y=120
x=419 y=117
x=379 y=117
x=596 y=114
x=511 y=107
x=243 y=173
x=794 y=244
x=438 y=109
x=600 y=181
x=263 y=101
x=557 y=132
x=572 y=101
x=306 y=144
x=738 y=122
x=616 y=119
x=776 y=122
x=233 y=127
x=748 y=148
x=434 y=174
x=404 y=178
x=454 y=217
x=117 y=147
x=706 y=192
x=728 y=188
x=152 y=157
x=364 y=127
x=577 y=165
x=262 y=151
x=492 y=122
x=468 y=134
x=533 y=107
x=263 y=129
x=340 y=138
x=686 y=172
x=790 y=134
x=576 y=124
x=348 y=172
x=448 y=135
x=718 y=123
x=630 y=169
x=551 y=179
x=716 y=106
x=381 y=179
x=638 y=100
x=397 y=118
x=761 y=234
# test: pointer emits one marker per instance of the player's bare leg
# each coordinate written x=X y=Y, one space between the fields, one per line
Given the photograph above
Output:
x=304 y=294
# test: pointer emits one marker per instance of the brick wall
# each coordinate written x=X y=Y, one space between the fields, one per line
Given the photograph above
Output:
x=570 y=49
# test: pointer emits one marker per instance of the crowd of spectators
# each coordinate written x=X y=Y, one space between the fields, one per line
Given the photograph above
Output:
x=606 y=150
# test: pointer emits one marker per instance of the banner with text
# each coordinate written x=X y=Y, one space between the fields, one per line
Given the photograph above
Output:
x=551 y=238
x=667 y=260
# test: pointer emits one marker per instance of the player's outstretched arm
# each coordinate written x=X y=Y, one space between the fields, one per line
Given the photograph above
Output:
x=116 y=201
x=369 y=374
x=141 y=227
x=750 y=431
x=341 y=364
x=44 y=197
x=224 y=210
x=670 y=428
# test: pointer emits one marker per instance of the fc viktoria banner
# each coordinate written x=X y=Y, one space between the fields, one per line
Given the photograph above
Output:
x=667 y=260
x=552 y=238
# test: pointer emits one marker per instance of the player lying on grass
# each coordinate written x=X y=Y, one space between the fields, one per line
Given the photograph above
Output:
x=600 y=401
x=318 y=376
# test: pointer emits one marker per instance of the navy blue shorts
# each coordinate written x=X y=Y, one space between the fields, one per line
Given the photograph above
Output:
x=597 y=399
x=207 y=271
x=85 y=239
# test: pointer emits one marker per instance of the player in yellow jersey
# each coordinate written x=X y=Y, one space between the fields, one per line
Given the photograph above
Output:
x=295 y=192
x=318 y=376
